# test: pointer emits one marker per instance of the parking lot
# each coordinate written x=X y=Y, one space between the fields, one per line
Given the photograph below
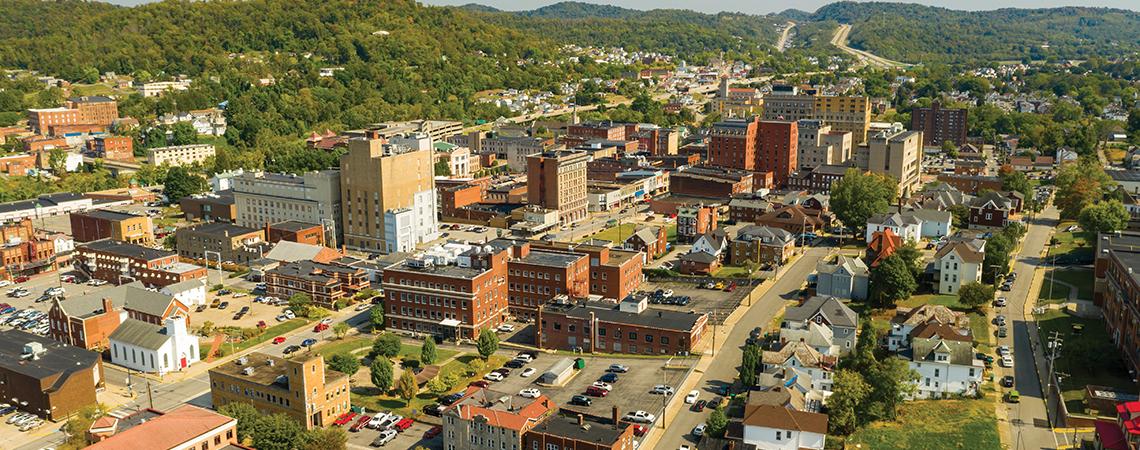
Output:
x=715 y=302
x=408 y=439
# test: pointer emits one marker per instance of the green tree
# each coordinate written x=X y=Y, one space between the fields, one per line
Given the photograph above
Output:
x=858 y=196
x=891 y=282
x=488 y=343
x=427 y=352
x=332 y=438
x=750 y=362
x=406 y=386
x=183 y=133
x=476 y=366
x=961 y=216
x=376 y=317
x=247 y=416
x=381 y=373
x=155 y=137
x=437 y=385
x=344 y=363
x=912 y=256
x=341 y=329
x=386 y=345
x=57 y=161
x=180 y=183
x=892 y=381
x=77 y=426
x=1017 y=182
x=845 y=405
x=1080 y=185
x=300 y=303
x=716 y=423
x=949 y=148
x=277 y=432
x=1105 y=216
x=975 y=294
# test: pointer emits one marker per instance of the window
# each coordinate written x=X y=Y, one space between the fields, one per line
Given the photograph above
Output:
x=633 y=335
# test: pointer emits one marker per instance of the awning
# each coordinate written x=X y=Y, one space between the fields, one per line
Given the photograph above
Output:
x=450 y=323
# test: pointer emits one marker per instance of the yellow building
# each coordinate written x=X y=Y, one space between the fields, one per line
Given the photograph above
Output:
x=845 y=113
x=388 y=200
x=737 y=102
x=301 y=388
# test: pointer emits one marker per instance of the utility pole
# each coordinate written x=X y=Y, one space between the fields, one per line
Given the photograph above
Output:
x=149 y=393
x=1054 y=343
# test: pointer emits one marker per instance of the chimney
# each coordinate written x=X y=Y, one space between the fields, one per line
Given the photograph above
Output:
x=581 y=420
x=615 y=416
x=107 y=305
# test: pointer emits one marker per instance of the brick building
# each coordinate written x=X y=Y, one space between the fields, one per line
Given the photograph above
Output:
x=452 y=290
x=746 y=210
x=184 y=427
x=614 y=273
x=817 y=180
x=695 y=220
x=939 y=124
x=482 y=420
x=115 y=148
x=653 y=241
x=452 y=198
x=732 y=143
x=761 y=245
x=301 y=387
x=1120 y=294
x=536 y=276
x=88 y=320
x=25 y=253
x=46 y=378
x=777 y=150
x=121 y=262
x=971 y=184
x=557 y=180
x=295 y=231
x=794 y=219
x=326 y=284
x=629 y=327
x=17 y=165
x=210 y=207
x=598 y=130
x=96 y=224
x=571 y=430
x=98 y=111
x=710 y=182
x=221 y=241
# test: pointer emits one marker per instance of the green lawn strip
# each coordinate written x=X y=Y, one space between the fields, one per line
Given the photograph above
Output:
x=732 y=272
x=1088 y=358
x=934 y=425
x=980 y=328
x=617 y=234
x=1081 y=278
x=671 y=232
x=441 y=354
x=1058 y=294
x=949 y=301
x=346 y=345
x=1073 y=244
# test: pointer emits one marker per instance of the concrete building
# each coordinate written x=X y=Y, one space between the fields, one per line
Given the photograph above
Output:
x=818 y=145
x=629 y=327
x=389 y=196
x=220 y=241
x=300 y=387
x=557 y=180
x=179 y=155
x=939 y=124
x=46 y=378
x=263 y=198
x=151 y=348
x=737 y=102
x=482 y=420
x=786 y=103
x=845 y=113
x=899 y=155
x=93 y=225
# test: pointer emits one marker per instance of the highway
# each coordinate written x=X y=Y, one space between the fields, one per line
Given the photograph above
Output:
x=782 y=43
x=840 y=41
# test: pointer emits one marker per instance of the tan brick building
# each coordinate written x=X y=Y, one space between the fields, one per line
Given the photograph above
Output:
x=94 y=110
x=300 y=387
x=96 y=224
x=325 y=284
x=388 y=196
x=221 y=241
x=557 y=180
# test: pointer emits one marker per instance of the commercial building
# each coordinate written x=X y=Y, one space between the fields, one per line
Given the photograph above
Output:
x=183 y=428
x=777 y=151
x=46 y=205
x=114 y=148
x=819 y=145
x=330 y=286
x=515 y=150
x=88 y=320
x=658 y=141
x=179 y=155
x=557 y=180
x=598 y=130
x=46 y=378
x=452 y=290
x=898 y=154
x=300 y=387
x=487 y=420
x=628 y=327
x=732 y=143
x=263 y=198
x=221 y=241
x=294 y=231
x=24 y=253
x=389 y=196
x=786 y=103
x=536 y=276
x=711 y=182
x=95 y=111
x=577 y=431
x=93 y=225
x=210 y=207
x=737 y=102
x=120 y=262
x=845 y=113
x=939 y=124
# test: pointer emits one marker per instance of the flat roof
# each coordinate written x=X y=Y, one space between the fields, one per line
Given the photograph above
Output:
x=594 y=429
x=609 y=312
x=266 y=374
x=120 y=248
x=220 y=228
x=107 y=214
x=552 y=259
x=57 y=358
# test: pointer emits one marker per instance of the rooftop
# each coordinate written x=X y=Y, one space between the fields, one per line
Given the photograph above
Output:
x=609 y=312
x=56 y=359
x=173 y=429
x=119 y=248
x=107 y=214
x=222 y=228
x=551 y=259
x=594 y=429
x=132 y=296
x=269 y=371
x=500 y=409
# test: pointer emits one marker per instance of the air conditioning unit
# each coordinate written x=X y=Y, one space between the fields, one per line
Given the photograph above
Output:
x=247 y=371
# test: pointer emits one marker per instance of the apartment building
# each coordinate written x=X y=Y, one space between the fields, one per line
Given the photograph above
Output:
x=389 y=196
x=628 y=327
x=898 y=154
x=557 y=180
x=488 y=420
x=819 y=145
x=179 y=155
x=777 y=151
x=98 y=111
x=786 y=103
x=614 y=273
x=210 y=207
x=114 y=148
x=93 y=225
x=121 y=262
x=695 y=220
x=294 y=231
x=515 y=149
x=263 y=198
x=24 y=253
x=330 y=286
x=536 y=276
x=1118 y=290
x=452 y=290
x=845 y=113
x=732 y=143
x=737 y=102
x=46 y=378
x=939 y=124
x=221 y=241
x=301 y=387
x=577 y=431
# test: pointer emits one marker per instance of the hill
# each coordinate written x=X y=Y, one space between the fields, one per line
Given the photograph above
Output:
x=918 y=33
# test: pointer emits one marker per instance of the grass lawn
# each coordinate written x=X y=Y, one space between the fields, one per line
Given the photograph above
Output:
x=424 y=398
x=272 y=332
x=732 y=272
x=1081 y=278
x=1077 y=245
x=348 y=344
x=934 y=424
x=671 y=232
x=980 y=328
x=1059 y=294
x=1089 y=358
x=617 y=234
x=949 y=301
x=407 y=350
x=92 y=89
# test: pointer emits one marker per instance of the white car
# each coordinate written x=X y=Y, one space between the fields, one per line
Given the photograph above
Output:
x=5 y=283
x=385 y=437
x=668 y=293
x=640 y=417
x=699 y=430
x=618 y=368
x=493 y=376
x=662 y=389
x=525 y=357
x=506 y=328
x=1003 y=350
x=239 y=294
x=326 y=321
x=1007 y=361
x=363 y=306
x=528 y=372
x=692 y=397
x=282 y=318
x=289 y=314
x=530 y=393
x=603 y=385
x=378 y=419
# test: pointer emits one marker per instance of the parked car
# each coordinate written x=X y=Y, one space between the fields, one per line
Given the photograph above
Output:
x=480 y=383
x=433 y=432
x=618 y=368
x=279 y=339
x=1007 y=361
x=291 y=349
x=530 y=393
x=699 y=430
x=1002 y=332
x=525 y=357
x=1000 y=302
x=661 y=389
x=223 y=305
x=640 y=417
x=603 y=385
x=403 y=424
x=493 y=376
x=360 y=423
x=308 y=342
x=699 y=405
x=526 y=373
x=581 y=400
x=692 y=397
x=384 y=438
x=434 y=409
x=320 y=327
x=514 y=364
x=595 y=391
x=609 y=378
x=1007 y=381
x=506 y=328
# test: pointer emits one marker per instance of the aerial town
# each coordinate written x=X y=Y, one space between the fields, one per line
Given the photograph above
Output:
x=576 y=245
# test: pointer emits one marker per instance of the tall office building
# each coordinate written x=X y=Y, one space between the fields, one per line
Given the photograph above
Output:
x=777 y=150
x=557 y=180
x=897 y=153
x=845 y=113
x=786 y=103
x=820 y=145
x=263 y=198
x=389 y=198
x=939 y=124
x=732 y=143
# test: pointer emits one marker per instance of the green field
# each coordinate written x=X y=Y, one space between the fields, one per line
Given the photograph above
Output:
x=949 y=301
x=1076 y=245
x=361 y=344
x=934 y=425
x=367 y=398
x=1088 y=358
x=1058 y=294
x=617 y=234
x=1081 y=278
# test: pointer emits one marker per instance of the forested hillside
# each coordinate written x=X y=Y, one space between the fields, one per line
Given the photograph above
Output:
x=917 y=33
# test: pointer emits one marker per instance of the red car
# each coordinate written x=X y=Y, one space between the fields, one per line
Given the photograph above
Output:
x=639 y=430
x=320 y=327
x=262 y=325
x=279 y=339
x=21 y=279
x=595 y=391
x=344 y=418
x=360 y=423
x=731 y=287
x=433 y=432
x=403 y=424
x=479 y=383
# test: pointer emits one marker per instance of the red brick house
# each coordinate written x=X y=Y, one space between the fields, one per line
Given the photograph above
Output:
x=991 y=210
x=794 y=219
x=651 y=240
x=87 y=321
x=120 y=263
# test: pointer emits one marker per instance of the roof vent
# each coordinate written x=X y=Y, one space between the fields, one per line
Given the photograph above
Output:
x=242 y=361
x=33 y=350
x=247 y=371
x=269 y=362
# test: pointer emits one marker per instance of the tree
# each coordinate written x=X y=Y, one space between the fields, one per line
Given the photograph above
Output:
x=57 y=161
x=961 y=215
x=180 y=183
x=406 y=386
x=488 y=343
x=716 y=423
x=332 y=438
x=437 y=385
x=858 y=196
x=912 y=256
x=949 y=148
x=996 y=259
x=376 y=317
x=750 y=362
x=975 y=294
x=386 y=345
x=427 y=352
x=344 y=363
x=341 y=329
x=891 y=281
x=381 y=372
x=845 y=405
x=891 y=381
x=1105 y=216
x=300 y=303
x=183 y=133
x=77 y=426
x=277 y=432
x=1081 y=184
x=1017 y=182
x=476 y=366
x=247 y=416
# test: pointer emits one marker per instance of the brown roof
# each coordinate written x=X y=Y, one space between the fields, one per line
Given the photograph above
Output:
x=943 y=331
x=807 y=355
x=932 y=313
x=793 y=214
x=780 y=418
x=173 y=429
x=966 y=251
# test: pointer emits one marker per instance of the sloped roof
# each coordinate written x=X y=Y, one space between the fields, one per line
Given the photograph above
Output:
x=832 y=309
x=853 y=266
x=131 y=296
x=1000 y=201
x=932 y=313
x=140 y=334
x=780 y=418
x=173 y=429
x=883 y=244
x=894 y=220
x=961 y=352
x=807 y=356
x=764 y=234
x=943 y=331
x=931 y=215
x=966 y=250
x=698 y=257
x=645 y=234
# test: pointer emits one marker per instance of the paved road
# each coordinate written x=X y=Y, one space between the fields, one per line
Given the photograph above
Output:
x=1029 y=426
x=840 y=40
x=725 y=364
x=782 y=43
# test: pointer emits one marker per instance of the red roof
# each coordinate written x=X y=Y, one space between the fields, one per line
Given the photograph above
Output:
x=181 y=425
x=1110 y=436
x=883 y=244
x=1129 y=416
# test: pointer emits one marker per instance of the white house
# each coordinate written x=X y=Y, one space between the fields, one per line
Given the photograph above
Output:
x=825 y=311
x=772 y=427
x=712 y=243
x=151 y=348
x=190 y=292
x=800 y=358
x=959 y=262
x=907 y=320
x=63 y=243
x=945 y=363
x=907 y=226
x=934 y=223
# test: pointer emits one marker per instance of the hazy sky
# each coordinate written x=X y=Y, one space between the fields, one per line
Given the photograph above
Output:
x=767 y=6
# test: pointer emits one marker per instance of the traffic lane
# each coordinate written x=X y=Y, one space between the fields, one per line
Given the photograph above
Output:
x=355 y=319
x=726 y=363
